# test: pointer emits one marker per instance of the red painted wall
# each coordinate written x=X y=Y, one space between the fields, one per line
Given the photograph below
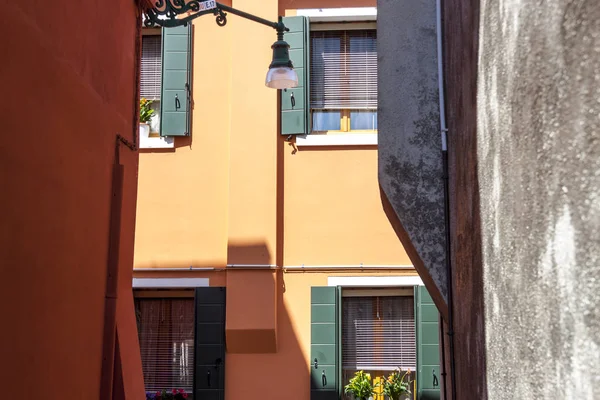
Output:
x=68 y=88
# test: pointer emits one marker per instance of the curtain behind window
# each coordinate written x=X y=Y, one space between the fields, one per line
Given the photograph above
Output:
x=166 y=336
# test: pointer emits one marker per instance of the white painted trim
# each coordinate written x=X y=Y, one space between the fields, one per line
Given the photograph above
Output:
x=343 y=26
x=383 y=281
x=339 y=14
x=342 y=139
x=170 y=282
x=162 y=142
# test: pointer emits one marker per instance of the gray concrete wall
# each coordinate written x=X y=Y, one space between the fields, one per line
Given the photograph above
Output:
x=539 y=175
x=410 y=163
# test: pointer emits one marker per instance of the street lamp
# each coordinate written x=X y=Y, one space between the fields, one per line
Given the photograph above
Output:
x=172 y=13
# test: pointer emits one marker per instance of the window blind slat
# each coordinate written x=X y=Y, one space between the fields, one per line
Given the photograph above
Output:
x=151 y=67
x=166 y=336
x=378 y=333
x=343 y=71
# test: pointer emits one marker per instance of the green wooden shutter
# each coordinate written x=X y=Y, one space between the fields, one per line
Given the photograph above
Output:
x=428 y=353
x=176 y=83
x=324 y=343
x=209 y=346
x=295 y=107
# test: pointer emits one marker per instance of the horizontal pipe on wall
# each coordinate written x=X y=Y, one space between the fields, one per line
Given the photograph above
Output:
x=252 y=266
x=337 y=268
x=291 y=268
x=208 y=269
x=199 y=269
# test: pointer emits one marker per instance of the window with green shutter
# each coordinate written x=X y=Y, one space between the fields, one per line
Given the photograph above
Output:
x=182 y=341
x=337 y=76
x=175 y=99
x=428 y=353
x=376 y=331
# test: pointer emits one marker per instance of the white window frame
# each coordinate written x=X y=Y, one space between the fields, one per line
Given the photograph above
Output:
x=169 y=283
x=375 y=281
x=337 y=15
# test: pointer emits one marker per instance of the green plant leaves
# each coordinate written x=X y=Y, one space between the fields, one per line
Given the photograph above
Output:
x=145 y=111
x=395 y=384
x=361 y=386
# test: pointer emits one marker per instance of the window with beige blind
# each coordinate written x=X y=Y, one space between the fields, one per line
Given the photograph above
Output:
x=343 y=80
x=378 y=335
x=166 y=337
x=151 y=73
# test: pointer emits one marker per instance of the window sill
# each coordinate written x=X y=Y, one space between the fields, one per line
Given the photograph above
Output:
x=156 y=142
x=349 y=139
x=339 y=14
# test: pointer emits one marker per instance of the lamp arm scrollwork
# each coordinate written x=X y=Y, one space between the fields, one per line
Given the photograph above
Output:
x=173 y=13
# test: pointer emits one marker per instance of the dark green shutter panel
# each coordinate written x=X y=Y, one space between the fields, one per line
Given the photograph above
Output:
x=324 y=343
x=209 y=346
x=295 y=108
x=428 y=352
x=176 y=82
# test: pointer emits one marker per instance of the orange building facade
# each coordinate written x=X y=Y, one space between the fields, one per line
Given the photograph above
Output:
x=257 y=226
x=69 y=187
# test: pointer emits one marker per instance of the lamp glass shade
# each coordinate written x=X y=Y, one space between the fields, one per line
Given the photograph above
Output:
x=281 y=78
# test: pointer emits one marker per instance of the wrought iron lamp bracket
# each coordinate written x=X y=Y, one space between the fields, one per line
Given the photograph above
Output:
x=173 y=13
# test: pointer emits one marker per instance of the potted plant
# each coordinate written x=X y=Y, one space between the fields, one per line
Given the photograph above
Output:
x=361 y=386
x=146 y=113
x=396 y=385
x=175 y=394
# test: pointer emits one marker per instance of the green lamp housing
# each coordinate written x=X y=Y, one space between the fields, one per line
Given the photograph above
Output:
x=281 y=74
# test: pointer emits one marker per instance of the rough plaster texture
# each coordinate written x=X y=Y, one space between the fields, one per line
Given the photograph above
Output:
x=539 y=173
x=410 y=162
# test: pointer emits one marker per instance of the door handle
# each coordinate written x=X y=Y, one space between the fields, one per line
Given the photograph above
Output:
x=316 y=364
x=324 y=378
x=177 y=102
x=208 y=377
x=435 y=380
x=293 y=100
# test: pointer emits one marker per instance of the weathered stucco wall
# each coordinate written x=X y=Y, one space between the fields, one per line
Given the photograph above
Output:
x=410 y=160
x=539 y=173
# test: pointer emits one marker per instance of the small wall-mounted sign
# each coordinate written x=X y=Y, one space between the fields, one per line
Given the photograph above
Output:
x=207 y=5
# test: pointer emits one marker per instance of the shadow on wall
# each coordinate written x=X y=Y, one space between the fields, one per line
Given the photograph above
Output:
x=274 y=375
x=271 y=376
x=249 y=253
